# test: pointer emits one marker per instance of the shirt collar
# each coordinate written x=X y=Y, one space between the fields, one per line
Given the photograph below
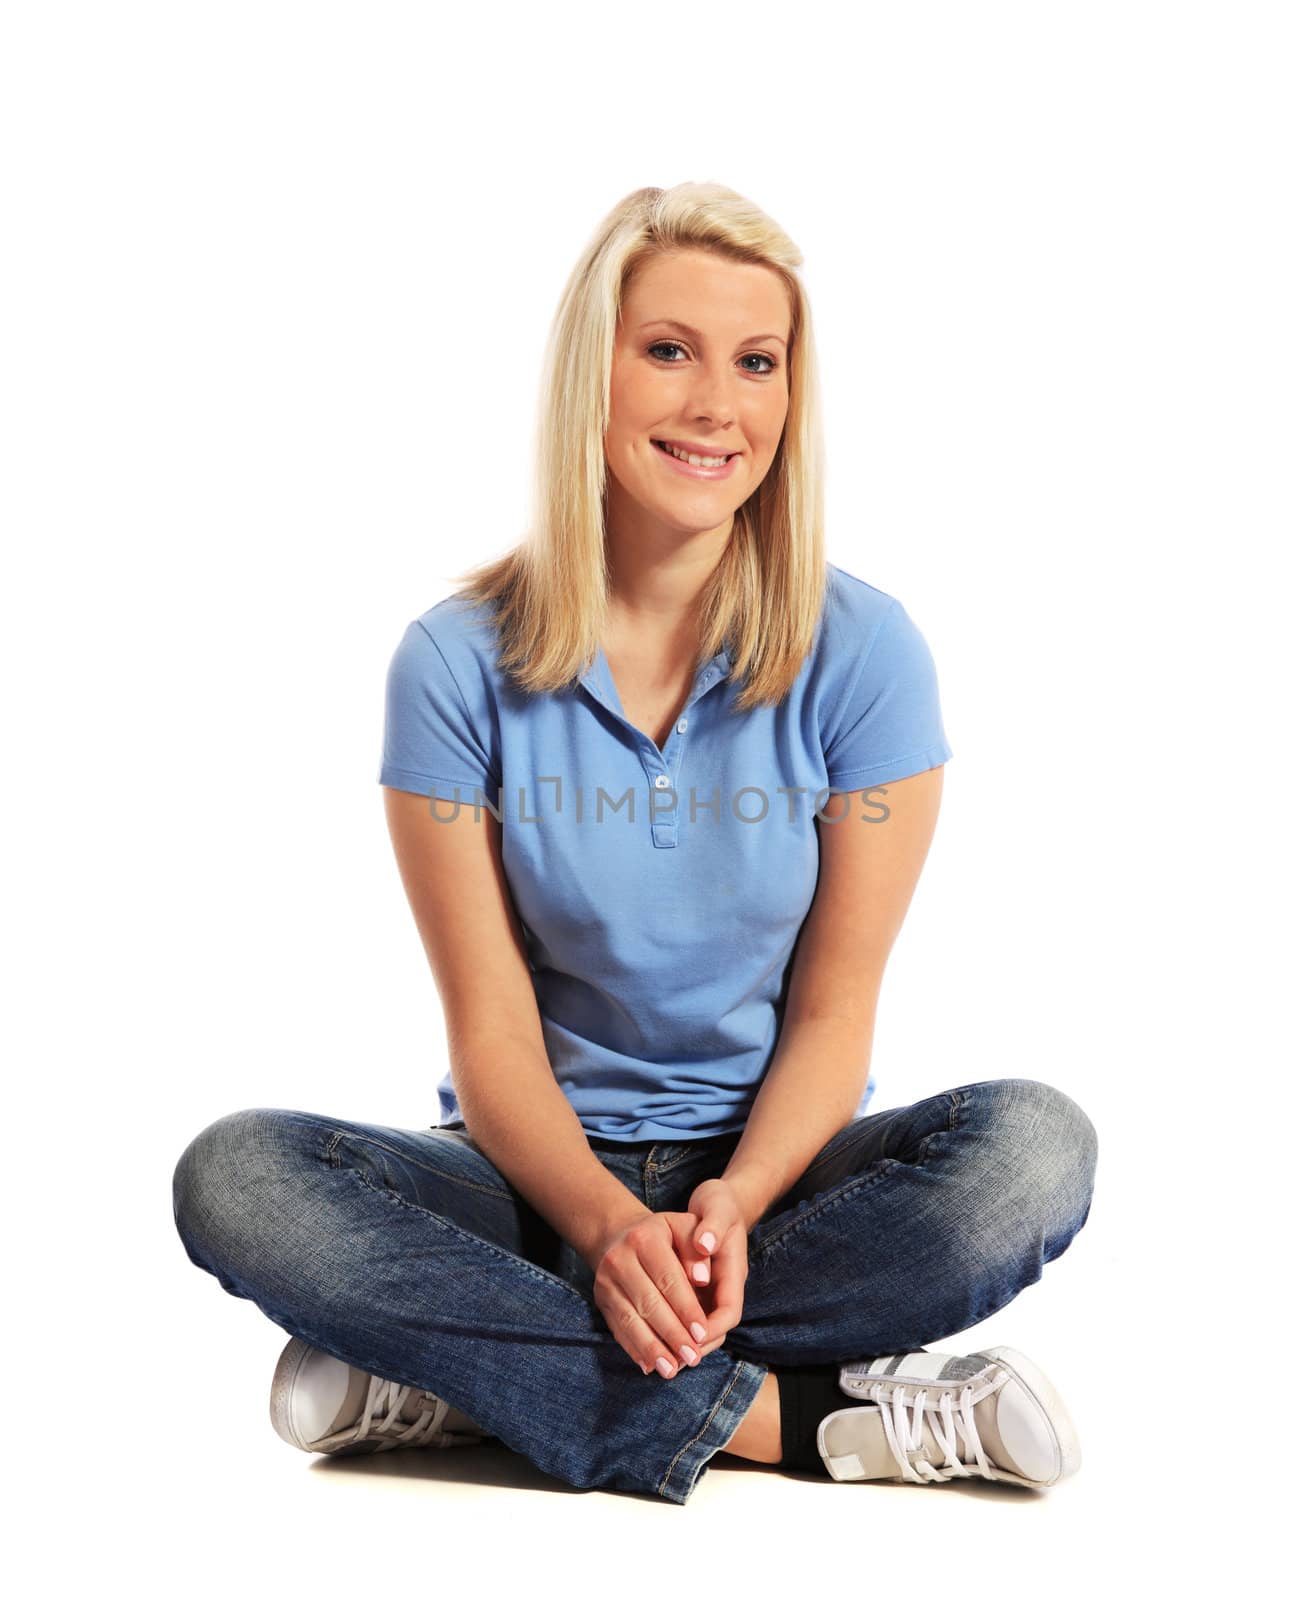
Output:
x=600 y=684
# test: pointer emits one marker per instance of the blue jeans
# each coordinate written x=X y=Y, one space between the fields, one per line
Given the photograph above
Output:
x=407 y=1254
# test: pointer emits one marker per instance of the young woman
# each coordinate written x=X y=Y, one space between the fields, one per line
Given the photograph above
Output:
x=661 y=782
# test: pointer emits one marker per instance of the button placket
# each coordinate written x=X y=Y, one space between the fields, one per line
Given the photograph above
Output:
x=608 y=700
x=599 y=683
x=664 y=833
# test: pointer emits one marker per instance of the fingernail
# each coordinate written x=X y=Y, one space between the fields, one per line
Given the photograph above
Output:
x=666 y=1367
x=698 y=1332
x=701 y=1271
x=708 y=1240
x=688 y=1354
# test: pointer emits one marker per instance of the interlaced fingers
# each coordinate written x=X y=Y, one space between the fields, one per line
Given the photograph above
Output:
x=904 y=1426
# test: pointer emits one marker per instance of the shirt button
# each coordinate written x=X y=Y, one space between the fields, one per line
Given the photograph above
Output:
x=681 y=725
x=662 y=782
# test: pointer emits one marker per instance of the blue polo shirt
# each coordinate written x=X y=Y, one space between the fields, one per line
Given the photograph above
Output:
x=661 y=891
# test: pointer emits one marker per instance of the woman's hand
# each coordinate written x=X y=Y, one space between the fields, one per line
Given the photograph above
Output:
x=718 y=1211
x=644 y=1290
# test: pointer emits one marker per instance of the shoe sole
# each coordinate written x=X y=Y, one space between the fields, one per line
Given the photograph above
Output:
x=290 y=1362
x=1035 y=1382
x=285 y=1374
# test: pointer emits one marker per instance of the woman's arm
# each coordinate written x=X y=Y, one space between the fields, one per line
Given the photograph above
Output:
x=515 y=1111
x=868 y=873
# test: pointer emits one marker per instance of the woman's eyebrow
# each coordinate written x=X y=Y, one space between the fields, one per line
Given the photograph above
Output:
x=694 y=333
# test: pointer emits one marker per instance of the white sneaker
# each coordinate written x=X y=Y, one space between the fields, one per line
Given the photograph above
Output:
x=990 y=1414
x=320 y=1403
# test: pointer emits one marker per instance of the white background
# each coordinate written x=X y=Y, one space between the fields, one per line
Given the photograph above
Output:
x=277 y=283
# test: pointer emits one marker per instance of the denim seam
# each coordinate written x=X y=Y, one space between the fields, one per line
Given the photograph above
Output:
x=922 y=1149
x=738 y=1370
x=837 y=1150
x=923 y=1144
x=330 y=1151
x=881 y=1170
x=822 y=1206
x=447 y=1226
x=664 y=1166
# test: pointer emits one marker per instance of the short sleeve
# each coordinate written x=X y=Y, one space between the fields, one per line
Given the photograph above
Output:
x=890 y=724
x=438 y=735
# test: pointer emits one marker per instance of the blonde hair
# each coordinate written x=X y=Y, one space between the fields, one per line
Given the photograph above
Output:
x=550 y=592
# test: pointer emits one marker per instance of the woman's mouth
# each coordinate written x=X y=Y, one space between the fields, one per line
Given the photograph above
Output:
x=705 y=467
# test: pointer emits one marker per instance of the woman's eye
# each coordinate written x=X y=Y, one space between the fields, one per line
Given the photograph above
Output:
x=669 y=344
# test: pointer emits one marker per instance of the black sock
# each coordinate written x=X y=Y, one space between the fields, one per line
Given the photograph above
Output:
x=806 y=1395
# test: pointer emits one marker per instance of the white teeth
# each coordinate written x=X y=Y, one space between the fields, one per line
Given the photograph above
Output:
x=694 y=461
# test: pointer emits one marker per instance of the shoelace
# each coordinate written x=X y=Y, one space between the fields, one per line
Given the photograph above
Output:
x=905 y=1434
x=390 y=1397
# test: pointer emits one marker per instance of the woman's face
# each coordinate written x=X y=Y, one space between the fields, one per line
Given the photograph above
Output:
x=700 y=360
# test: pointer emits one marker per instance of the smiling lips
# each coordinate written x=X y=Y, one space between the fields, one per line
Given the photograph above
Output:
x=707 y=465
x=689 y=447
